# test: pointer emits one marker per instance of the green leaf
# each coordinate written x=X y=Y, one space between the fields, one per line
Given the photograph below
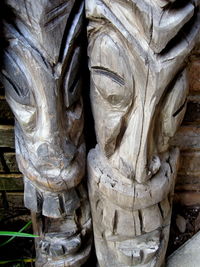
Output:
x=16 y=234
x=22 y=229
x=17 y=260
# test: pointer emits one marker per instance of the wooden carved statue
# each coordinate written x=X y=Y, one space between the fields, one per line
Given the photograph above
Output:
x=42 y=75
x=138 y=51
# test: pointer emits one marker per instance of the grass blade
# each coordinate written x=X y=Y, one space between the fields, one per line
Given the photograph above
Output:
x=17 y=260
x=16 y=234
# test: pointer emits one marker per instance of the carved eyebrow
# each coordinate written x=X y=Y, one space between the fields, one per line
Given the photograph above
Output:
x=112 y=75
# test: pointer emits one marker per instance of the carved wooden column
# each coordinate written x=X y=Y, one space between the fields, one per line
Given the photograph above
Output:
x=42 y=75
x=138 y=51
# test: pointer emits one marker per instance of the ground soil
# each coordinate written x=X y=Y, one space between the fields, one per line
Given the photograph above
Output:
x=184 y=229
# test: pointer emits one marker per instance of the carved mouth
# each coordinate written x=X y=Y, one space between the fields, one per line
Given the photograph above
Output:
x=55 y=246
x=131 y=219
x=141 y=250
x=132 y=237
x=58 y=247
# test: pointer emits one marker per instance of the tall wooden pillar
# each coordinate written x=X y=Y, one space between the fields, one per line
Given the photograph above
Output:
x=42 y=75
x=138 y=57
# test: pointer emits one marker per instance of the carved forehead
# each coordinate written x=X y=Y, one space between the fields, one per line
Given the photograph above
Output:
x=107 y=52
x=40 y=11
x=142 y=23
x=45 y=21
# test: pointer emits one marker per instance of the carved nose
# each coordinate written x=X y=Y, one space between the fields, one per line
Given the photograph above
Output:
x=49 y=153
x=43 y=151
x=53 y=154
x=48 y=157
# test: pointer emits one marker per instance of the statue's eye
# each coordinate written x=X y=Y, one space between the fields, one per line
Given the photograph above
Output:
x=115 y=99
x=111 y=86
x=113 y=76
x=111 y=73
x=14 y=79
x=18 y=93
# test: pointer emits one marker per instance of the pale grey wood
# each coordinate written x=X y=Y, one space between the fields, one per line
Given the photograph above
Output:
x=42 y=76
x=138 y=52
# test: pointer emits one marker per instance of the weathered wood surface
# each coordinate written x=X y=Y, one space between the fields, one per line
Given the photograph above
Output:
x=138 y=52
x=42 y=75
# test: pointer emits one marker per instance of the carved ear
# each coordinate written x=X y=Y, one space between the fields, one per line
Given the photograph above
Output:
x=174 y=109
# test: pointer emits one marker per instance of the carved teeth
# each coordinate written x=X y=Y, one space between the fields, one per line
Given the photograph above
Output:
x=138 y=252
x=131 y=221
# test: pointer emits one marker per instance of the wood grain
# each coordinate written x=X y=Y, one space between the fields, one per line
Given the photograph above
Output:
x=42 y=75
x=138 y=52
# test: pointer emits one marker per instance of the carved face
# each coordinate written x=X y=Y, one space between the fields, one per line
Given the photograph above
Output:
x=42 y=77
x=138 y=95
x=48 y=109
x=137 y=102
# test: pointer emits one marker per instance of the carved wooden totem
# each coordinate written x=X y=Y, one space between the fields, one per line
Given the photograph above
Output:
x=42 y=75
x=138 y=51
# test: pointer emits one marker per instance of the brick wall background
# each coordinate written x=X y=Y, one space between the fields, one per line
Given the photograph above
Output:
x=186 y=207
x=11 y=182
x=187 y=191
